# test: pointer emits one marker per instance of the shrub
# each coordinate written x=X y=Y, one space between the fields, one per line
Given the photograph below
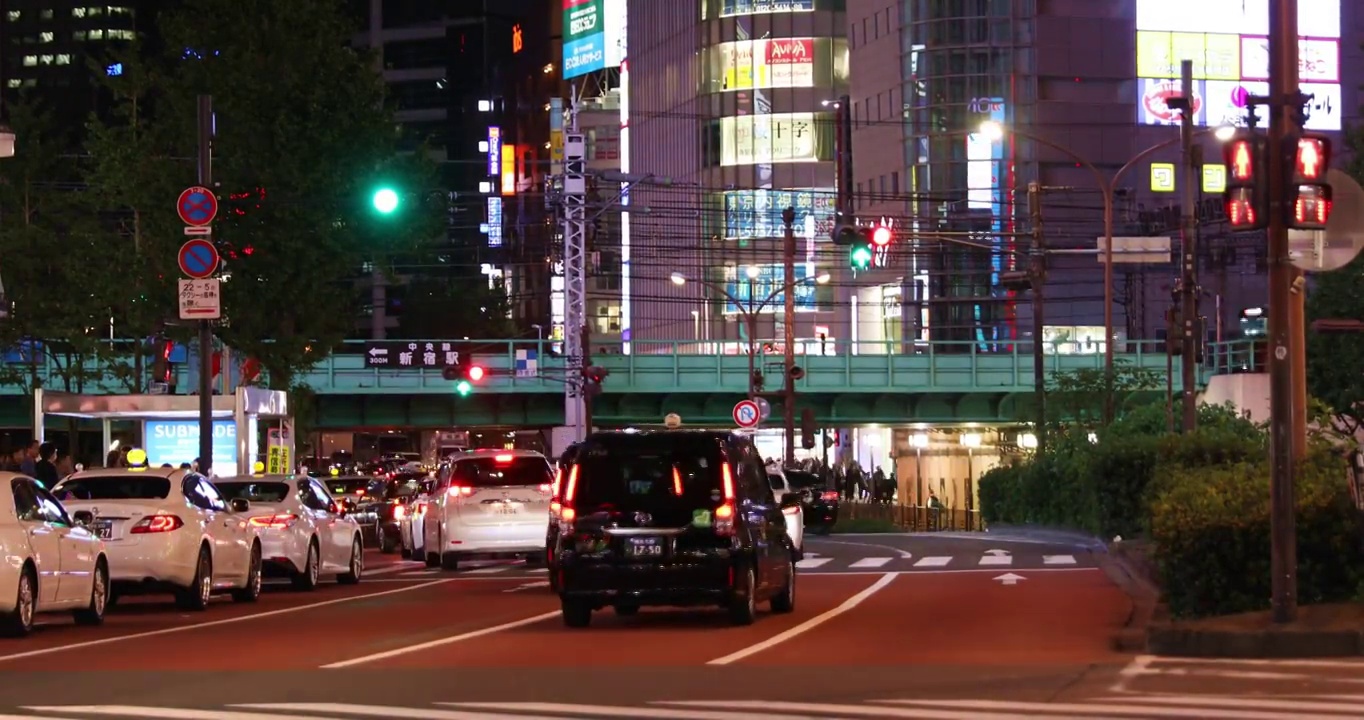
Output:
x=1210 y=530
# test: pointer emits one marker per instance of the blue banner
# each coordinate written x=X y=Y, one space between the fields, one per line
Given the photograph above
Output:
x=757 y=213
x=585 y=55
x=177 y=441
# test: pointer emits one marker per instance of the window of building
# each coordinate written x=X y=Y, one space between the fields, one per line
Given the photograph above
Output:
x=78 y=12
x=45 y=15
x=120 y=10
x=79 y=35
x=608 y=318
x=12 y=15
x=96 y=35
x=406 y=13
x=30 y=61
x=121 y=34
x=46 y=37
x=416 y=54
x=45 y=59
x=12 y=83
x=417 y=95
x=94 y=11
x=63 y=59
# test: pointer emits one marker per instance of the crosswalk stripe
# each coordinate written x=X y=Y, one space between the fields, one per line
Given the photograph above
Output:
x=934 y=561
x=996 y=560
x=539 y=570
x=657 y=713
x=1301 y=706
x=1058 y=559
x=162 y=713
x=386 y=711
x=47 y=717
x=488 y=570
x=831 y=710
x=1086 y=709
x=809 y=563
x=873 y=562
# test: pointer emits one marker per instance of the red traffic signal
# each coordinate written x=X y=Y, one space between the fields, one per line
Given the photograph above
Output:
x=1309 y=197
x=1241 y=161
x=1311 y=207
x=1311 y=159
x=881 y=236
x=1246 y=197
x=475 y=373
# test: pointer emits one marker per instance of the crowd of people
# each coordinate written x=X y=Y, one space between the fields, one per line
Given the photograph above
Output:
x=853 y=483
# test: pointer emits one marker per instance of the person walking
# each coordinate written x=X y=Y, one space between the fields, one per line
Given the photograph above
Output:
x=45 y=469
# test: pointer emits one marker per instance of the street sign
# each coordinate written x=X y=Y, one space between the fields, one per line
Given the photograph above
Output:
x=1337 y=245
x=1151 y=250
x=747 y=414
x=764 y=407
x=198 y=258
x=193 y=231
x=411 y=355
x=197 y=206
x=199 y=300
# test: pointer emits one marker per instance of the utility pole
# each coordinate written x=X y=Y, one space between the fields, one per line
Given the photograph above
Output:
x=843 y=154
x=1038 y=271
x=205 y=326
x=587 y=397
x=1284 y=103
x=788 y=218
x=1188 y=282
x=574 y=198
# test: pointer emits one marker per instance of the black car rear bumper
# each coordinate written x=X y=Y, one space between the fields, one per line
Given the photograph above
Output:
x=669 y=584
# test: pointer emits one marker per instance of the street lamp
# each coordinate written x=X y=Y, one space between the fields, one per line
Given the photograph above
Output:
x=1108 y=186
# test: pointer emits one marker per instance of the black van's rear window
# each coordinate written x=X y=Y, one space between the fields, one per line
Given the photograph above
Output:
x=637 y=471
x=519 y=470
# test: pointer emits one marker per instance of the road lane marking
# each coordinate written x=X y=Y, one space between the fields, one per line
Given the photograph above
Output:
x=808 y=625
x=488 y=570
x=163 y=713
x=1054 y=709
x=212 y=623
x=388 y=569
x=528 y=586
x=904 y=554
x=441 y=642
x=809 y=562
x=934 y=561
x=870 y=562
x=1058 y=559
x=1227 y=703
x=827 y=710
x=384 y=711
x=996 y=560
x=605 y=711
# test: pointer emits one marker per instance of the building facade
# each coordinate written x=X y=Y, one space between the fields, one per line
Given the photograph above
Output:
x=1073 y=91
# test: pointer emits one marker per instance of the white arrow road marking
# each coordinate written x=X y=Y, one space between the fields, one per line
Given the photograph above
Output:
x=934 y=561
x=810 y=563
x=997 y=552
x=528 y=586
x=1009 y=579
x=1058 y=559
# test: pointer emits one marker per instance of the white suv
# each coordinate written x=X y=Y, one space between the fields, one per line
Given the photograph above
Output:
x=492 y=504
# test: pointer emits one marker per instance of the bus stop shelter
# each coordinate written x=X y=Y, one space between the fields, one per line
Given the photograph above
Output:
x=245 y=408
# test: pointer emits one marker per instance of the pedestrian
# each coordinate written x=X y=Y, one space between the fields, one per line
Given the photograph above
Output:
x=29 y=460
x=45 y=470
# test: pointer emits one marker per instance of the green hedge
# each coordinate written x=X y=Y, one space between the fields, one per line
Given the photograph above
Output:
x=1210 y=530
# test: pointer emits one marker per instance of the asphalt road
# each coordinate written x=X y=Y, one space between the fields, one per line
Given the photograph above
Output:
x=1023 y=634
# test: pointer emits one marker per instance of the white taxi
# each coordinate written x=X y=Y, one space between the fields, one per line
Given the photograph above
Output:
x=51 y=562
x=304 y=533
x=795 y=519
x=492 y=504
x=166 y=529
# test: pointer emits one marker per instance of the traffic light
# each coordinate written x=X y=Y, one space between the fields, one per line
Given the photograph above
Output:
x=161 y=364
x=859 y=257
x=881 y=235
x=465 y=377
x=385 y=201
x=593 y=375
x=1309 y=193
x=845 y=230
x=1247 y=192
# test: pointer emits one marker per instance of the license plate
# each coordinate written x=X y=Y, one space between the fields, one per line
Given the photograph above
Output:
x=506 y=509
x=643 y=547
x=104 y=530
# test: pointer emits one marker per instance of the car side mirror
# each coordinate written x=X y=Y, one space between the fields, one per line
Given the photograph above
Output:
x=791 y=499
x=83 y=518
x=335 y=509
x=239 y=505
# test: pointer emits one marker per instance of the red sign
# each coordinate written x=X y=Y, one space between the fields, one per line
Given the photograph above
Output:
x=790 y=51
x=1156 y=98
x=197 y=206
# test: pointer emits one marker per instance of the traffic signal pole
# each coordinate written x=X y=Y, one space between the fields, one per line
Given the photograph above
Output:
x=1188 y=281
x=205 y=326
x=1038 y=270
x=1284 y=104
x=788 y=218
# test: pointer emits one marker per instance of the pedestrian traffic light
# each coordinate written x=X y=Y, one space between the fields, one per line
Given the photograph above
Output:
x=1247 y=192
x=593 y=375
x=385 y=201
x=1310 y=195
x=161 y=364
x=860 y=255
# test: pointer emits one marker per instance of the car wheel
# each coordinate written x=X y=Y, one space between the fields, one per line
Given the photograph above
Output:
x=19 y=622
x=407 y=554
x=785 y=599
x=743 y=604
x=387 y=544
x=312 y=572
x=357 y=565
x=250 y=592
x=197 y=595
x=449 y=561
x=93 y=613
x=576 y=613
x=432 y=560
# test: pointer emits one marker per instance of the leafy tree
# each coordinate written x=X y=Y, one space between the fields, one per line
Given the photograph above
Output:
x=1334 y=361
x=441 y=308
x=301 y=139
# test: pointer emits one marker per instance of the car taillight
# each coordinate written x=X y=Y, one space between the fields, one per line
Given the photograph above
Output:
x=421 y=509
x=724 y=515
x=157 y=524
x=459 y=491
x=546 y=488
x=558 y=481
x=677 y=482
x=398 y=512
x=278 y=522
x=565 y=510
x=829 y=495
x=791 y=510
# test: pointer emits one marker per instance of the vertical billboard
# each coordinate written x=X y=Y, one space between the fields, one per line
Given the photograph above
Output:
x=594 y=35
x=1227 y=41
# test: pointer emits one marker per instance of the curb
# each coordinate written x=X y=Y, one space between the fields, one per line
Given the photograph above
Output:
x=1176 y=641
x=1145 y=597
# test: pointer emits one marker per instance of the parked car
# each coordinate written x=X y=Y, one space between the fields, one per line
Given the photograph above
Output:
x=304 y=533
x=494 y=504
x=819 y=503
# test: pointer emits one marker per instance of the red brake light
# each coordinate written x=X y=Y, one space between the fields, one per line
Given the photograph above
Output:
x=360 y=492
x=677 y=482
x=828 y=495
x=157 y=524
x=724 y=515
x=398 y=512
x=421 y=508
x=572 y=488
x=558 y=481
x=458 y=490
x=546 y=488
x=727 y=481
x=279 y=522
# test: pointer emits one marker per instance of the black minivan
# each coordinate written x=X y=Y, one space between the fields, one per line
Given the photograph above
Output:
x=675 y=518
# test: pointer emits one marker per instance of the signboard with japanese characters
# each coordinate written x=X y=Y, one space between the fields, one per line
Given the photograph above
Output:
x=782 y=137
x=416 y=355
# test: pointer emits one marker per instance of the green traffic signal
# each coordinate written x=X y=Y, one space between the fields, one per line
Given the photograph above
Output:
x=463 y=388
x=385 y=200
x=860 y=256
